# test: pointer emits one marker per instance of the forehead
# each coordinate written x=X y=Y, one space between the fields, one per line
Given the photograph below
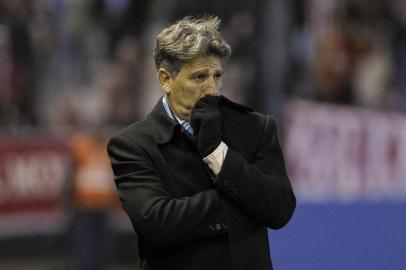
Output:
x=202 y=63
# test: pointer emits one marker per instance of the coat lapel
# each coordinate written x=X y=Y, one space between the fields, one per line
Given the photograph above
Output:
x=161 y=125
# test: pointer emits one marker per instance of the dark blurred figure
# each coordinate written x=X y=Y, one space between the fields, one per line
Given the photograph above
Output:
x=18 y=67
x=120 y=19
x=125 y=83
x=335 y=57
x=398 y=24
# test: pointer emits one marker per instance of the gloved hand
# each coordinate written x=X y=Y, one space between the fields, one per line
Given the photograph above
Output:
x=206 y=123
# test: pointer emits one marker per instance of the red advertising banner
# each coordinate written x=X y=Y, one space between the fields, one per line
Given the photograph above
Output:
x=345 y=153
x=32 y=183
x=36 y=187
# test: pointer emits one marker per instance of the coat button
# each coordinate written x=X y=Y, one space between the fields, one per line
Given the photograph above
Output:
x=226 y=182
x=218 y=227
x=212 y=228
x=224 y=225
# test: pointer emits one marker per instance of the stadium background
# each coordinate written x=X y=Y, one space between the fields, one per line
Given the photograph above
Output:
x=331 y=72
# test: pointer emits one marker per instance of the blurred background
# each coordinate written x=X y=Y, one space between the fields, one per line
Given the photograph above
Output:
x=332 y=72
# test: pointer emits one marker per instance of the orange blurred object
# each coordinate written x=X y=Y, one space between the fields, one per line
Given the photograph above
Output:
x=93 y=185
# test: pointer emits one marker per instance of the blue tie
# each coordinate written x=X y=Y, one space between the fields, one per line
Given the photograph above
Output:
x=188 y=127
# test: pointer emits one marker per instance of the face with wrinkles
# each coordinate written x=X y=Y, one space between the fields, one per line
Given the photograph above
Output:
x=197 y=78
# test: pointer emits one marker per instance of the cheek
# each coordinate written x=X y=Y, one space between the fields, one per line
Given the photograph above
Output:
x=191 y=94
x=191 y=89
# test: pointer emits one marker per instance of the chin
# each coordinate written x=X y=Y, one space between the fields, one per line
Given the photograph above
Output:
x=187 y=117
x=186 y=114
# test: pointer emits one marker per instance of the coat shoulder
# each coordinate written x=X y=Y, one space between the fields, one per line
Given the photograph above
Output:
x=133 y=133
x=242 y=114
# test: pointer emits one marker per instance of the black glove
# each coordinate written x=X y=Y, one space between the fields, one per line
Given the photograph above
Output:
x=206 y=123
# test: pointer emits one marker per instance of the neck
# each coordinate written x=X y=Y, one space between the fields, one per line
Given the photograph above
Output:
x=174 y=114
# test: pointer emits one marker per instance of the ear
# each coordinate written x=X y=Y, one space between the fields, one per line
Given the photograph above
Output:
x=164 y=78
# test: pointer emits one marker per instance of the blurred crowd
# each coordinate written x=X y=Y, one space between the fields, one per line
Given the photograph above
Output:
x=70 y=62
x=350 y=52
x=89 y=63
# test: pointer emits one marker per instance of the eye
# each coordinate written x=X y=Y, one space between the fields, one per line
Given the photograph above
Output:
x=199 y=77
x=218 y=76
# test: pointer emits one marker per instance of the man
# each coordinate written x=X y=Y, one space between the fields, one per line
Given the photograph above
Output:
x=202 y=178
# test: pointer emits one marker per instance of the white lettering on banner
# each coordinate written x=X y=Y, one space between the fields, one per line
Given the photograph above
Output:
x=344 y=153
x=32 y=176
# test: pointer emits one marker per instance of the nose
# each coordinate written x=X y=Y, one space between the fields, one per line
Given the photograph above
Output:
x=211 y=88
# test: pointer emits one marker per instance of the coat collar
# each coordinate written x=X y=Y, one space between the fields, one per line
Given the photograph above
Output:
x=236 y=106
x=163 y=127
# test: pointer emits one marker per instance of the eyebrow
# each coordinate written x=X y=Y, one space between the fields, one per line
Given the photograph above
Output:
x=205 y=71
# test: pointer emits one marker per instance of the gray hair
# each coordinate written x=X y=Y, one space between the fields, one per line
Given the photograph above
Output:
x=187 y=39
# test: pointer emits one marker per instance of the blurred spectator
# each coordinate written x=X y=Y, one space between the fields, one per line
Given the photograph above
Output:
x=334 y=62
x=125 y=85
x=398 y=24
x=19 y=70
x=7 y=110
x=372 y=74
x=94 y=197
x=298 y=79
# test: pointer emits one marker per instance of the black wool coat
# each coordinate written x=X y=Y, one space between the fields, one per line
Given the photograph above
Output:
x=188 y=219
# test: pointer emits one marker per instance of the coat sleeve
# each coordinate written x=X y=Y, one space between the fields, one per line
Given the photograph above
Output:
x=155 y=215
x=261 y=188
